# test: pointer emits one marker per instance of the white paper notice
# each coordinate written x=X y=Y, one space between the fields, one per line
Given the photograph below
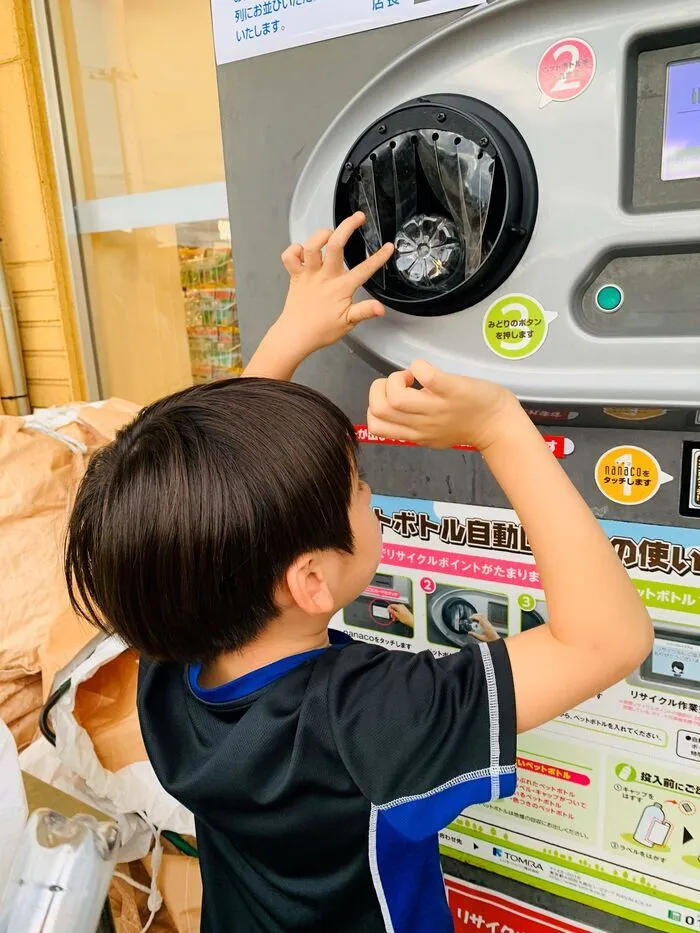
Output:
x=245 y=28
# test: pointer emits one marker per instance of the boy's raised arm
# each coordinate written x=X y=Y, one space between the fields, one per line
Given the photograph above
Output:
x=588 y=645
x=319 y=310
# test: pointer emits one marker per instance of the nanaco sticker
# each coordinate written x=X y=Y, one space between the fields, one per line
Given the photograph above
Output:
x=629 y=475
x=565 y=71
x=516 y=326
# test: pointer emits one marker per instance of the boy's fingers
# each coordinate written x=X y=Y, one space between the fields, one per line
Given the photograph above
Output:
x=414 y=411
x=378 y=390
x=379 y=406
x=402 y=397
x=364 y=272
x=313 y=255
x=293 y=258
x=364 y=311
x=377 y=394
x=318 y=240
x=431 y=378
x=335 y=252
x=391 y=431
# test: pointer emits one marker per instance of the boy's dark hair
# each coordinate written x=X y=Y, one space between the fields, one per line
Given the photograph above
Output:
x=183 y=526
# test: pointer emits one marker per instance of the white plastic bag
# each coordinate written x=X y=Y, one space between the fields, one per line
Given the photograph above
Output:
x=133 y=791
x=13 y=803
x=131 y=795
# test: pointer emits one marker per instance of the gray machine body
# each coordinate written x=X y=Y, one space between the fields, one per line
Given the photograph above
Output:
x=277 y=107
x=604 y=214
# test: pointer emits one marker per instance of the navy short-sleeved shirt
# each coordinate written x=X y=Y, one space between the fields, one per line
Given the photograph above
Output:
x=319 y=783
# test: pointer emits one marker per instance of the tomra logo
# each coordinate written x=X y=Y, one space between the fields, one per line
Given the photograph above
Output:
x=520 y=861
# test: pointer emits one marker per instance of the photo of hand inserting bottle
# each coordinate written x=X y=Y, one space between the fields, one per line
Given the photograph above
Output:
x=457 y=614
x=482 y=629
x=385 y=606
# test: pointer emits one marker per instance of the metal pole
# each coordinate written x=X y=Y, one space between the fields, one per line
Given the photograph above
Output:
x=18 y=392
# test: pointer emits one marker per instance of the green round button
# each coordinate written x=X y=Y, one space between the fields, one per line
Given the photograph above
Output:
x=609 y=298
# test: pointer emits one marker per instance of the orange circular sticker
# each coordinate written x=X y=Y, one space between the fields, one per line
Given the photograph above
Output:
x=635 y=414
x=629 y=475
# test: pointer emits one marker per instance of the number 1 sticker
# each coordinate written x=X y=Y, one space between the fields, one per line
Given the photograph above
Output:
x=565 y=71
x=629 y=475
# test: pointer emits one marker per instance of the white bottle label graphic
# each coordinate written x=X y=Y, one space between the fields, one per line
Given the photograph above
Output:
x=652 y=829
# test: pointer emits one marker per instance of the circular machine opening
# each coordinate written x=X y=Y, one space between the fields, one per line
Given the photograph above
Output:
x=452 y=184
x=457 y=616
x=451 y=613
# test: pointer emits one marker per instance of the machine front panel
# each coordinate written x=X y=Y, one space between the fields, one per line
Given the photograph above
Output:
x=607 y=247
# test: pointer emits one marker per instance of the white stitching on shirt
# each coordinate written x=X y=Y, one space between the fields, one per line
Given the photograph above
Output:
x=374 y=870
x=495 y=769
x=462 y=779
x=494 y=720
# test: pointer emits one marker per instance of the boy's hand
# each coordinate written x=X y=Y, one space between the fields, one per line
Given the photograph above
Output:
x=447 y=411
x=488 y=633
x=319 y=309
x=402 y=614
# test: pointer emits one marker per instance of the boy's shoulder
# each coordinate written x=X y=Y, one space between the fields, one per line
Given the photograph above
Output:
x=399 y=724
x=348 y=659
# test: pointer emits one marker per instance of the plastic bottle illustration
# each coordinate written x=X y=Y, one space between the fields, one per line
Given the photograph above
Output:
x=652 y=828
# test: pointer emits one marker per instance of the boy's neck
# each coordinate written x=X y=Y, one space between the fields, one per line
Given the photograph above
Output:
x=282 y=639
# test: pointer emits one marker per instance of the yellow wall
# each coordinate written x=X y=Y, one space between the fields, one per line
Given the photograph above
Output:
x=139 y=313
x=135 y=122
x=30 y=224
x=143 y=119
x=143 y=116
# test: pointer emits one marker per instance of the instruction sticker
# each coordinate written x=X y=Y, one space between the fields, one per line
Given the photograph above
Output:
x=565 y=71
x=598 y=788
x=635 y=414
x=516 y=326
x=688 y=745
x=246 y=28
x=629 y=475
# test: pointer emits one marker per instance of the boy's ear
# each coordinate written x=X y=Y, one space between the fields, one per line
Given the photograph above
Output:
x=307 y=585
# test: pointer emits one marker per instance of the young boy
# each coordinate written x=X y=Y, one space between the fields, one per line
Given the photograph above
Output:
x=220 y=533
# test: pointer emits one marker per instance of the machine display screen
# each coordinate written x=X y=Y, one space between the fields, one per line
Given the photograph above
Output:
x=498 y=613
x=681 y=148
x=677 y=661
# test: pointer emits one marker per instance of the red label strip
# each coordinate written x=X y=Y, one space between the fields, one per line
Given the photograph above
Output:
x=475 y=908
x=560 y=446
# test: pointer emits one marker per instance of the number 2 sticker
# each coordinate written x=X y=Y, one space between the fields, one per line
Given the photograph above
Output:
x=565 y=71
